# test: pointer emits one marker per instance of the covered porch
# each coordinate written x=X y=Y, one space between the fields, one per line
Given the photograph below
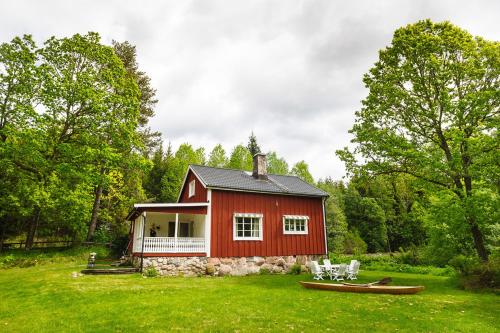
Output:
x=170 y=229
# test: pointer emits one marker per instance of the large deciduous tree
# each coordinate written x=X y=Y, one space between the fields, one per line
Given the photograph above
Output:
x=432 y=112
x=301 y=170
x=217 y=157
x=240 y=159
x=276 y=165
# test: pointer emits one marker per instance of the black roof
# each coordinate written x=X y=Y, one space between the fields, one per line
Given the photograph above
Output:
x=232 y=179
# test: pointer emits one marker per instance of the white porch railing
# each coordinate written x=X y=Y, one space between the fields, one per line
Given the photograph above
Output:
x=174 y=245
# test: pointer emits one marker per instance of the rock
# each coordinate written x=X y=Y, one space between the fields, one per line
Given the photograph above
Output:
x=259 y=261
x=210 y=268
x=277 y=269
x=253 y=269
x=74 y=274
x=227 y=261
x=239 y=271
x=214 y=261
x=224 y=270
x=267 y=267
x=271 y=260
x=290 y=260
x=301 y=260
x=281 y=262
x=303 y=269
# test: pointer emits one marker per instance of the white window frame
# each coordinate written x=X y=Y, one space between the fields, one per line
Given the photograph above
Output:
x=192 y=188
x=295 y=218
x=250 y=215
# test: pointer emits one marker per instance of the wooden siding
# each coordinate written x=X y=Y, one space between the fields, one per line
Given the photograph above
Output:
x=273 y=207
x=200 y=192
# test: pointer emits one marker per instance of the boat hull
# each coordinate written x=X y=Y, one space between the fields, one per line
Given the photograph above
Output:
x=395 y=290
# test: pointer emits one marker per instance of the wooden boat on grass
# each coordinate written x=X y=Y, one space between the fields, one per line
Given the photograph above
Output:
x=363 y=288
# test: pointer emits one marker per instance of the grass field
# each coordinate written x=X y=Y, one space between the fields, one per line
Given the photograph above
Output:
x=47 y=299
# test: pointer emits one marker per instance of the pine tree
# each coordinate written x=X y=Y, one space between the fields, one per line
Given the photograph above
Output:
x=253 y=146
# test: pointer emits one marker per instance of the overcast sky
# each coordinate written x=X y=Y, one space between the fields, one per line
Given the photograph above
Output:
x=288 y=70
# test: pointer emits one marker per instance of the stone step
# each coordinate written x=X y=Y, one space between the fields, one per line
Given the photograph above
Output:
x=97 y=271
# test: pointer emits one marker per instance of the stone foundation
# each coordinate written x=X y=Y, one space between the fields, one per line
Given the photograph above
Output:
x=236 y=266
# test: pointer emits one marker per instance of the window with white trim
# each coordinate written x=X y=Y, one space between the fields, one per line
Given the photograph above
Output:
x=192 y=186
x=295 y=225
x=247 y=226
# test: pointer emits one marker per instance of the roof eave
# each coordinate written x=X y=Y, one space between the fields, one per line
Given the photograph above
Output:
x=222 y=188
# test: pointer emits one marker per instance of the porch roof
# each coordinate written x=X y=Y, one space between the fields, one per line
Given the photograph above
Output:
x=181 y=208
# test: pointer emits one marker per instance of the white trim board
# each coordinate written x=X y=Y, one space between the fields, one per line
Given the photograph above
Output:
x=171 y=205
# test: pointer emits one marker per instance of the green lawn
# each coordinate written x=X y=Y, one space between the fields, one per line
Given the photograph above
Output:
x=46 y=298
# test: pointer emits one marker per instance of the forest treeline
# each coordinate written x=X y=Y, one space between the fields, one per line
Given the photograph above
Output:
x=76 y=149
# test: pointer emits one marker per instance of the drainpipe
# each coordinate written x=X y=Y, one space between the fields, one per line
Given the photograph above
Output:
x=142 y=238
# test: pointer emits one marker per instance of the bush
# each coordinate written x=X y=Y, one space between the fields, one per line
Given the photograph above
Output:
x=118 y=245
x=150 y=272
x=475 y=274
x=22 y=258
x=409 y=257
x=295 y=269
x=10 y=261
x=463 y=265
x=354 y=244
x=391 y=263
x=264 y=271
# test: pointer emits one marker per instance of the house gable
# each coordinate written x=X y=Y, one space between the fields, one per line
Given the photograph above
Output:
x=200 y=191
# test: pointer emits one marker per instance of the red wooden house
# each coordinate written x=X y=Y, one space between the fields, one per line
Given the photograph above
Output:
x=231 y=222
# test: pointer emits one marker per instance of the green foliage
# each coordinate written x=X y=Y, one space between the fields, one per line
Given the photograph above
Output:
x=295 y=269
x=448 y=234
x=217 y=157
x=253 y=146
x=241 y=159
x=276 y=165
x=176 y=167
x=432 y=113
x=264 y=271
x=477 y=275
x=409 y=257
x=21 y=258
x=336 y=222
x=150 y=272
x=365 y=215
x=152 y=181
x=74 y=129
x=301 y=170
x=395 y=262
x=353 y=243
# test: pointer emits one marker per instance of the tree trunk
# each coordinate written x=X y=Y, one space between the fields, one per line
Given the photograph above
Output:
x=477 y=235
x=32 y=230
x=95 y=212
x=2 y=236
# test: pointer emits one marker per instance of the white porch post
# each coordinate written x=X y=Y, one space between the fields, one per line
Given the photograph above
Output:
x=208 y=223
x=176 y=230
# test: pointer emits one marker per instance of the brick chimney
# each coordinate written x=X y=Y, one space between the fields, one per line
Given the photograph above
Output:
x=259 y=166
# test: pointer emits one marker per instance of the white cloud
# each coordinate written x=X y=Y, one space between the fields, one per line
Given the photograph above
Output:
x=288 y=70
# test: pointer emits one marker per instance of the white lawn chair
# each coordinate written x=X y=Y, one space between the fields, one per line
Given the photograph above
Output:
x=352 y=270
x=316 y=270
x=339 y=274
x=327 y=267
